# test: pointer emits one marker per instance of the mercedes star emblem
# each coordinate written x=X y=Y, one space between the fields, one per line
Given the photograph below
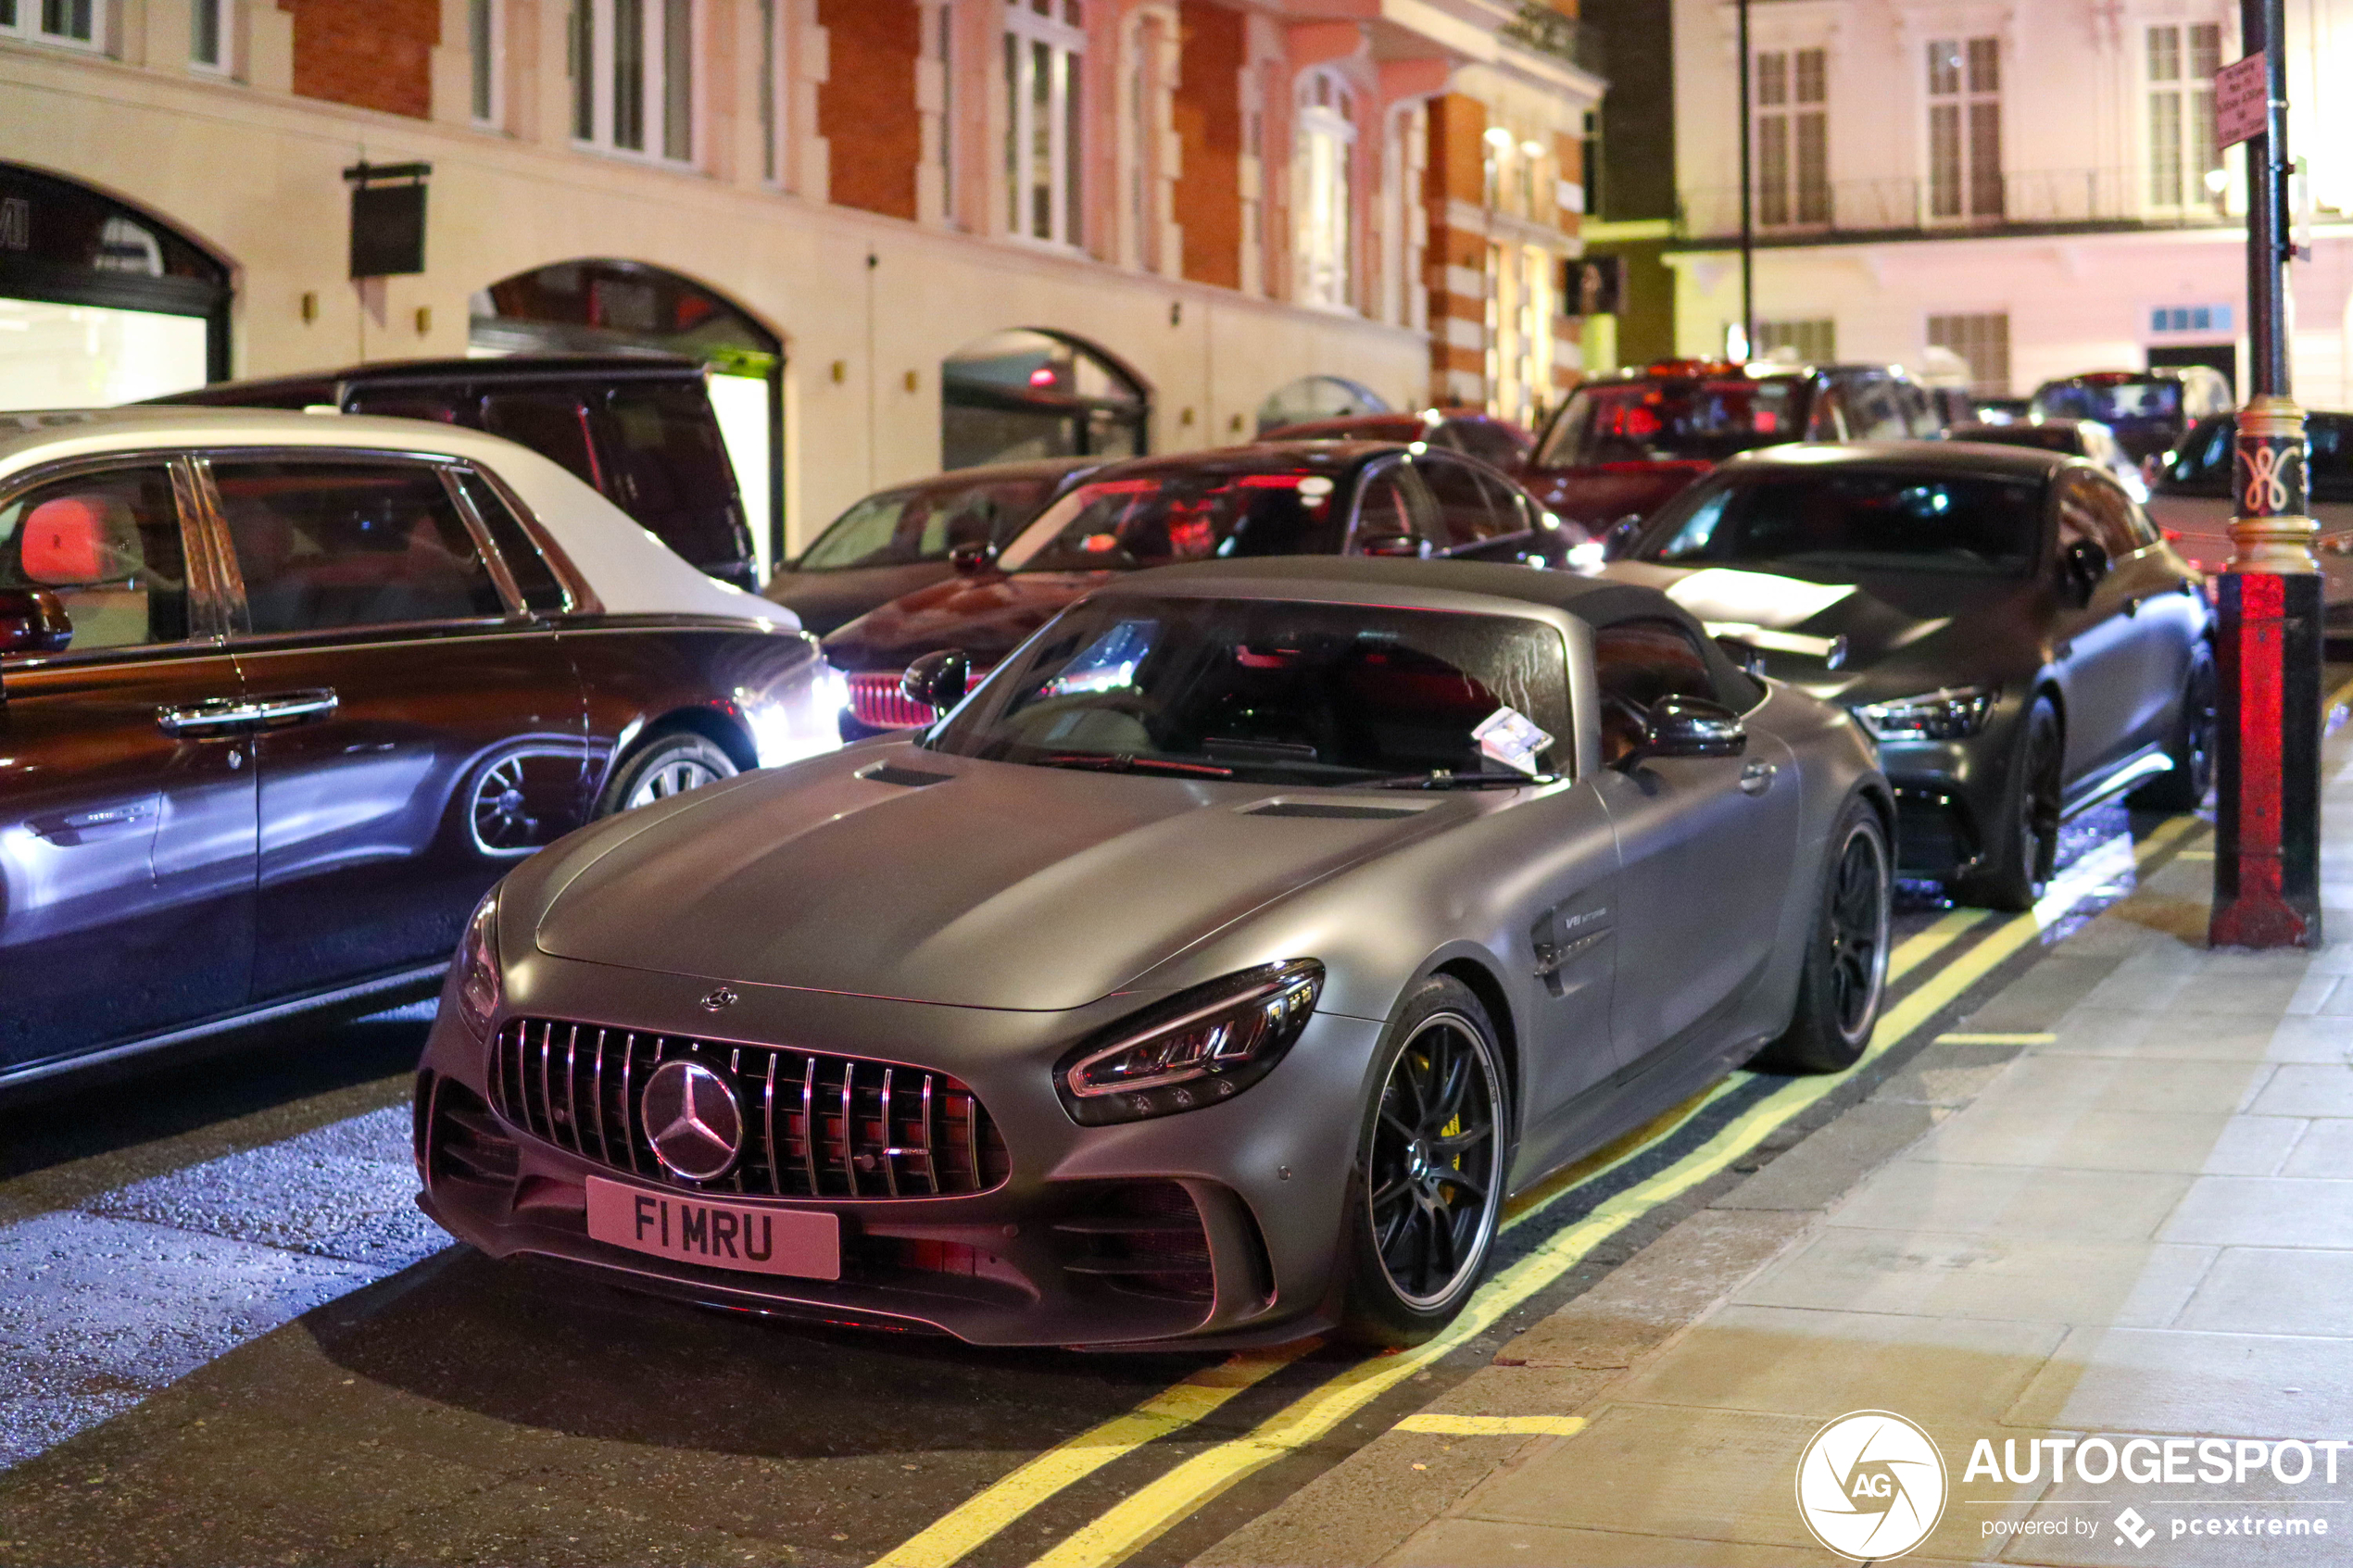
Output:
x=723 y=998
x=692 y=1120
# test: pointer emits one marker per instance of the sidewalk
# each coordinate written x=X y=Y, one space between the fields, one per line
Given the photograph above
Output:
x=2116 y=1201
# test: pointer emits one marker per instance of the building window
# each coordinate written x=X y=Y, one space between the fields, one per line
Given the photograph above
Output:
x=1965 y=128
x=1044 y=47
x=767 y=67
x=1793 y=138
x=1983 y=344
x=58 y=21
x=208 y=35
x=1323 y=153
x=1805 y=342
x=1521 y=303
x=632 y=86
x=946 y=43
x=484 y=39
x=2184 y=165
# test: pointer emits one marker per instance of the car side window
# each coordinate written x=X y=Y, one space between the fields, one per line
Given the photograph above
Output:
x=1635 y=664
x=1390 y=501
x=2202 y=466
x=2089 y=508
x=1871 y=410
x=1469 y=512
x=535 y=579
x=1828 y=419
x=551 y=423
x=337 y=544
x=1920 y=410
x=1490 y=442
x=2331 y=472
x=108 y=546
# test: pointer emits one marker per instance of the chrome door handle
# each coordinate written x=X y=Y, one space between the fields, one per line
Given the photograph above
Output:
x=1757 y=777
x=297 y=708
x=218 y=716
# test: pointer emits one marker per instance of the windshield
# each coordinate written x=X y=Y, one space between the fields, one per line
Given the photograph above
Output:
x=1271 y=691
x=1897 y=522
x=923 y=523
x=1125 y=524
x=1646 y=421
x=2155 y=400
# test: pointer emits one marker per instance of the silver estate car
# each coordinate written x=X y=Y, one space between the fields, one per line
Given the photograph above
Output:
x=1210 y=974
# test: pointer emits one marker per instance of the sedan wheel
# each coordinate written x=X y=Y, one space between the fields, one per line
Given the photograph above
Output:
x=1845 y=976
x=669 y=764
x=2195 y=732
x=2022 y=861
x=1430 y=1175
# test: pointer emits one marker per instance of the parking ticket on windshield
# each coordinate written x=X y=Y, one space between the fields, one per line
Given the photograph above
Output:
x=1511 y=738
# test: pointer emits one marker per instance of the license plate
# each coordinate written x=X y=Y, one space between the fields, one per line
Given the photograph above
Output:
x=743 y=1236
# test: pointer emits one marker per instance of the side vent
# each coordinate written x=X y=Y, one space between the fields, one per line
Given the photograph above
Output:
x=1336 y=810
x=906 y=778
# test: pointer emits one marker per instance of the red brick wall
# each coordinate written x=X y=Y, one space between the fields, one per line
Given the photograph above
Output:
x=1209 y=127
x=370 y=54
x=866 y=109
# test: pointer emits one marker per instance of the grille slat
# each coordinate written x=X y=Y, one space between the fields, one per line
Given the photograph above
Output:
x=562 y=1098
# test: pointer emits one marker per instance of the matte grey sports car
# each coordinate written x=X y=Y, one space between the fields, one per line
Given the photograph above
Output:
x=1210 y=974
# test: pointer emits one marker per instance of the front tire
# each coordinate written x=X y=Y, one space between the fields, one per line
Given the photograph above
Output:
x=1429 y=1189
x=2191 y=746
x=670 y=762
x=2023 y=857
x=1845 y=976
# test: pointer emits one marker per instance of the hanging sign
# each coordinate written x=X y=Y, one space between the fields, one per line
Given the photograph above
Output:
x=2242 y=101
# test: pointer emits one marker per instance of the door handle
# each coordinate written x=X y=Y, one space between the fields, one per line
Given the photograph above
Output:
x=1757 y=777
x=216 y=716
x=297 y=708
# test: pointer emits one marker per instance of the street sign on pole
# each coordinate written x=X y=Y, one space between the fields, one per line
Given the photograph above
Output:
x=2241 y=100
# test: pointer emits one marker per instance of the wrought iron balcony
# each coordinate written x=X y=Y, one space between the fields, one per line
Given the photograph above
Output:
x=1547 y=32
x=2036 y=201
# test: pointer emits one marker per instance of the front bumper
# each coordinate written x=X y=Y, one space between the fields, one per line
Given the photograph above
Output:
x=1214 y=1226
x=1948 y=796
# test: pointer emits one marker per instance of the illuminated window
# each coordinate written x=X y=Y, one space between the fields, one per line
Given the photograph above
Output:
x=1044 y=48
x=1521 y=303
x=1793 y=138
x=633 y=85
x=2182 y=63
x=1965 y=128
x=1323 y=151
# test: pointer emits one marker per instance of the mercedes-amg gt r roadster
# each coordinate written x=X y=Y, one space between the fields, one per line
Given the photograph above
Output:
x=1212 y=974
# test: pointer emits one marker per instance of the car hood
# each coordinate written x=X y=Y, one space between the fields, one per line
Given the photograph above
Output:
x=1893 y=633
x=826 y=600
x=1003 y=885
x=1600 y=494
x=986 y=615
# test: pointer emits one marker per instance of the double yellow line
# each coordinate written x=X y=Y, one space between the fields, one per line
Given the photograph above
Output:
x=1150 y=1510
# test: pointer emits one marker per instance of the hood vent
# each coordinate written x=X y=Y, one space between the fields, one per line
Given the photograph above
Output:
x=906 y=778
x=1339 y=810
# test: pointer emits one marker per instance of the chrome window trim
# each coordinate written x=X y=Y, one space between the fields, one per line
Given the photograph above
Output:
x=208 y=620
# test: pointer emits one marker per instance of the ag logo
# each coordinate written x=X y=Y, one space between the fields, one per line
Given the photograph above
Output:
x=1871 y=1486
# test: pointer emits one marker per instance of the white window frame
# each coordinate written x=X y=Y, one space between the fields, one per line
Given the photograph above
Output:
x=25 y=18
x=224 y=14
x=1324 y=191
x=1968 y=101
x=1785 y=116
x=2192 y=98
x=1033 y=40
x=654 y=126
x=486 y=63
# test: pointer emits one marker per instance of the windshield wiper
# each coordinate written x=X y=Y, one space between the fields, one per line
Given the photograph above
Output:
x=1441 y=779
x=1129 y=762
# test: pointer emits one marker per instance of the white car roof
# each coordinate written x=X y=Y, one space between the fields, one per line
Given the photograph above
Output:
x=632 y=572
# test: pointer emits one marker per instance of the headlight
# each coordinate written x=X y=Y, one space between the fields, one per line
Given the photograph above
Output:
x=1203 y=1046
x=1953 y=714
x=479 y=990
x=1588 y=557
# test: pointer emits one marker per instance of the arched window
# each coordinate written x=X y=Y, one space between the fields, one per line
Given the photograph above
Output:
x=1323 y=153
x=1031 y=394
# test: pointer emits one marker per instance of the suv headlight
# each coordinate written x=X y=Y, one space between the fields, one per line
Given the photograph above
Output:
x=1198 y=1048
x=1953 y=714
x=480 y=989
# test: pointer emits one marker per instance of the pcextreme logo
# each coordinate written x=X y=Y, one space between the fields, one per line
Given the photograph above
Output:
x=1871 y=1486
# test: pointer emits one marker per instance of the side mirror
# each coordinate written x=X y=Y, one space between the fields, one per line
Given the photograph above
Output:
x=973 y=557
x=33 y=621
x=1618 y=537
x=2080 y=568
x=1689 y=726
x=1392 y=544
x=939 y=680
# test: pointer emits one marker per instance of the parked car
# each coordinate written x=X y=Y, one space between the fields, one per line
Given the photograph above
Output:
x=1497 y=442
x=637 y=427
x=1623 y=444
x=2149 y=410
x=2191 y=500
x=899 y=540
x=280 y=696
x=1134 y=1067
x=2006 y=623
x=2088 y=439
x=1315 y=497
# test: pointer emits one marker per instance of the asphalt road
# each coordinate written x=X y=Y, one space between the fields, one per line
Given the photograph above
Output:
x=227 y=1336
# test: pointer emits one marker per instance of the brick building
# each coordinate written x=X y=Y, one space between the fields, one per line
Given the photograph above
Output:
x=904 y=232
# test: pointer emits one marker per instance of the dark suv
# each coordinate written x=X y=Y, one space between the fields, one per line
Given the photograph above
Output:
x=637 y=427
x=1622 y=444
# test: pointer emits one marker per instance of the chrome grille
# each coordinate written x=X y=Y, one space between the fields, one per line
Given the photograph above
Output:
x=815 y=1125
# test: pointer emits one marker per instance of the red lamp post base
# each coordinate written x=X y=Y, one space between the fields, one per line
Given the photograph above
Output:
x=2267 y=765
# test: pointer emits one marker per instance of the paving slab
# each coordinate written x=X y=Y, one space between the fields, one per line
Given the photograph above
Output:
x=2274 y=1290
x=2191 y=1382
x=1919 y=1273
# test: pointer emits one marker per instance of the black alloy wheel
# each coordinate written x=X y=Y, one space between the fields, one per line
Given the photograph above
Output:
x=2196 y=732
x=1845 y=979
x=2022 y=860
x=1431 y=1172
